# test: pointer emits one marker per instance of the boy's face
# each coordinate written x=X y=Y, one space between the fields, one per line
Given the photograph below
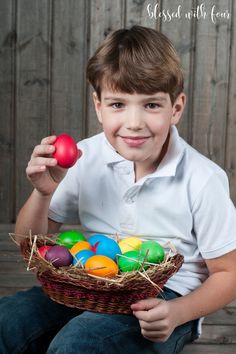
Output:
x=137 y=125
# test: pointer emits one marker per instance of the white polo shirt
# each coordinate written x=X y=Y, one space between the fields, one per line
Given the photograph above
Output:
x=185 y=201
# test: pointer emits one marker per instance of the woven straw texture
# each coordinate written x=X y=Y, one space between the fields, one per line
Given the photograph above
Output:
x=73 y=287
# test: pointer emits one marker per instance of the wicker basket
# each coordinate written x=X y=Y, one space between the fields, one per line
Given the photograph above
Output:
x=73 y=287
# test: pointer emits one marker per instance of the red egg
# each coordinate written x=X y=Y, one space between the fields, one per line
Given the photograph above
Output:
x=43 y=249
x=66 y=152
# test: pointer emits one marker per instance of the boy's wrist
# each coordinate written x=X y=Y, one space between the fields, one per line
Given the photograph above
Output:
x=179 y=311
x=41 y=195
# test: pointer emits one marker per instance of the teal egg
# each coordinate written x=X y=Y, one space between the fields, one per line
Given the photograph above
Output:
x=82 y=256
x=107 y=247
x=97 y=238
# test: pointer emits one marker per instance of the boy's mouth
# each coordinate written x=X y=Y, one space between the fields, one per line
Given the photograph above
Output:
x=134 y=141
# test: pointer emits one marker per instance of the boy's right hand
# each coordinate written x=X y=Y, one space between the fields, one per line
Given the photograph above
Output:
x=42 y=169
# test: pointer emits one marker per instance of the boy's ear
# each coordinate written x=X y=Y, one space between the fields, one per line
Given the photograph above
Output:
x=97 y=105
x=178 y=108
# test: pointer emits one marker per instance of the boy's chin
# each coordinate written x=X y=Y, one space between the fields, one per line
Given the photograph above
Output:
x=134 y=157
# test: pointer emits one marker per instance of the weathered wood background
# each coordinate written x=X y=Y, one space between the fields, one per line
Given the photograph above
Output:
x=44 y=47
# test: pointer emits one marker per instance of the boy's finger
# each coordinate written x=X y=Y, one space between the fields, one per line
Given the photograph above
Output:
x=33 y=170
x=48 y=140
x=42 y=161
x=150 y=316
x=146 y=304
x=41 y=150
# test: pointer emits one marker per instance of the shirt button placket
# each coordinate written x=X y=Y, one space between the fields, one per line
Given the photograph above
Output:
x=128 y=213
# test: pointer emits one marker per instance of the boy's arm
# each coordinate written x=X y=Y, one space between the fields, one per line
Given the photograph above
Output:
x=34 y=216
x=45 y=176
x=158 y=318
x=217 y=291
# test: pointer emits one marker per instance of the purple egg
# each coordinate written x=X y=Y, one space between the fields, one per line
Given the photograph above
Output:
x=59 y=256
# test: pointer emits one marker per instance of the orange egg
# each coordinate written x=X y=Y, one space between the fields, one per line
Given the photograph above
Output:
x=101 y=266
x=79 y=246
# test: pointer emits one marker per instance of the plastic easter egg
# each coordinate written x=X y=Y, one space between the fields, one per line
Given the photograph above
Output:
x=107 y=247
x=130 y=244
x=82 y=256
x=69 y=238
x=130 y=261
x=97 y=238
x=101 y=266
x=43 y=250
x=152 y=251
x=81 y=245
x=59 y=256
x=66 y=152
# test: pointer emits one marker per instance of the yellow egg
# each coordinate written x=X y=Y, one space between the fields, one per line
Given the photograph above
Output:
x=130 y=244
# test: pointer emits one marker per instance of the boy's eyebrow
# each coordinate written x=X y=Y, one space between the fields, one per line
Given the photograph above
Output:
x=155 y=98
x=147 y=99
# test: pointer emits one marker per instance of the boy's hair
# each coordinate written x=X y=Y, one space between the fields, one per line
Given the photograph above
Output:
x=136 y=60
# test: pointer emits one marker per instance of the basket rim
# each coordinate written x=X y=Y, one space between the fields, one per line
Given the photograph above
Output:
x=71 y=275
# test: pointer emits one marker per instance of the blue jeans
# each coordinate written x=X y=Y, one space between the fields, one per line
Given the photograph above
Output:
x=32 y=323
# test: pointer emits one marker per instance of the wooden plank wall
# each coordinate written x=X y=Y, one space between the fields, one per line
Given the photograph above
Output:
x=44 y=47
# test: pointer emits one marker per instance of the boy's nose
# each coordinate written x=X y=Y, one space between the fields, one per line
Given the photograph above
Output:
x=134 y=120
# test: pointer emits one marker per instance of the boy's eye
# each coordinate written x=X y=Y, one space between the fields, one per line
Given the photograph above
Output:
x=153 y=105
x=117 y=105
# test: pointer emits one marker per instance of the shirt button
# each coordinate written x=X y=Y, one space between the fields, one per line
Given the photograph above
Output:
x=129 y=201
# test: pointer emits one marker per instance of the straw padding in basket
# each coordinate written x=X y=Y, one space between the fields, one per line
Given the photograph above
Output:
x=73 y=287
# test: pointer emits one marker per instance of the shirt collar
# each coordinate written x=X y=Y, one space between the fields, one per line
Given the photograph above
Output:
x=110 y=155
x=173 y=156
x=168 y=164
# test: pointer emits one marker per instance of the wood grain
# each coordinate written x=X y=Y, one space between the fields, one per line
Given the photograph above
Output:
x=68 y=61
x=105 y=16
x=182 y=34
x=209 y=349
x=7 y=110
x=230 y=153
x=211 y=76
x=33 y=85
x=44 y=47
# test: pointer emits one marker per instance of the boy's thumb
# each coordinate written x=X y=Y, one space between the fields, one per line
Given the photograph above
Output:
x=146 y=304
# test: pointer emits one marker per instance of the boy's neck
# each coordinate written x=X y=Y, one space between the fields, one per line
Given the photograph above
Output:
x=141 y=169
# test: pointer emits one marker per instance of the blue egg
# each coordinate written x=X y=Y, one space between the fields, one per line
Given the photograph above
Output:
x=97 y=238
x=82 y=256
x=108 y=247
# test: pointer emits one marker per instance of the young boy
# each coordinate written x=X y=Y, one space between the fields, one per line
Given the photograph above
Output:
x=139 y=178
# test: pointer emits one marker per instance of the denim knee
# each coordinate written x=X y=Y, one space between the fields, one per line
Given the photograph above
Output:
x=29 y=320
x=77 y=336
x=14 y=321
x=94 y=333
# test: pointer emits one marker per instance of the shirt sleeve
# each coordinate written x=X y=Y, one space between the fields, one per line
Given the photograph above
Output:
x=214 y=218
x=64 y=204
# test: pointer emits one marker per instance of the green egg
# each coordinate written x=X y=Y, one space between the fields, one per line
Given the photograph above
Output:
x=69 y=238
x=152 y=251
x=129 y=261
